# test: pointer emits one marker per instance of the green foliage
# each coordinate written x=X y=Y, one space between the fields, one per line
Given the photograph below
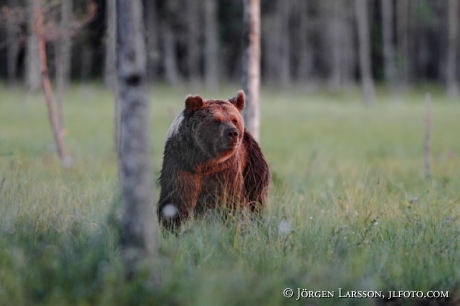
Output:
x=349 y=180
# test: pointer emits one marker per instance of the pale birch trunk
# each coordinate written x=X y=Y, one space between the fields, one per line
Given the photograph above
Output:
x=251 y=66
x=138 y=223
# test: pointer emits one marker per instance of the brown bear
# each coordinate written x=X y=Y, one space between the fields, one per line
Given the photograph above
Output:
x=210 y=161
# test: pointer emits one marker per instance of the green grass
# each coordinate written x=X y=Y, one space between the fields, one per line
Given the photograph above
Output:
x=348 y=178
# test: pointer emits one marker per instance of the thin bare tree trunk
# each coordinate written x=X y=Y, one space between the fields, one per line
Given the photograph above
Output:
x=270 y=45
x=349 y=53
x=110 y=70
x=251 y=66
x=211 y=61
x=63 y=56
x=110 y=67
x=335 y=45
x=283 y=12
x=452 y=81
x=388 y=41
x=151 y=26
x=367 y=82
x=168 y=39
x=193 y=42
x=32 y=67
x=86 y=63
x=341 y=46
x=305 y=57
x=65 y=159
x=12 y=31
x=110 y=77
x=402 y=37
x=138 y=224
x=169 y=54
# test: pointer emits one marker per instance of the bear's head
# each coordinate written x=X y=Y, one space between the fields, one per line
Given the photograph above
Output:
x=216 y=126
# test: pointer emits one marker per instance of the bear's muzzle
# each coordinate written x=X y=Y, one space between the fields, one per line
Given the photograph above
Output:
x=230 y=138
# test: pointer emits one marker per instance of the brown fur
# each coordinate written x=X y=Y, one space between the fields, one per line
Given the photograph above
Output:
x=210 y=160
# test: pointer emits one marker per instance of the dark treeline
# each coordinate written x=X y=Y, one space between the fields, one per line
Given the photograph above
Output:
x=303 y=42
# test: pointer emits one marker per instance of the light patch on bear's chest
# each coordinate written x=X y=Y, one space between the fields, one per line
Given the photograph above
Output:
x=174 y=128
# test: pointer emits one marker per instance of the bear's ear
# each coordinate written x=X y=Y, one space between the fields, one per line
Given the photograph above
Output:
x=238 y=101
x=193 y=103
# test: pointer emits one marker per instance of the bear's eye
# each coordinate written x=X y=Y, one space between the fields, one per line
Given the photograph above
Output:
x=235 y=121
x=218 y=120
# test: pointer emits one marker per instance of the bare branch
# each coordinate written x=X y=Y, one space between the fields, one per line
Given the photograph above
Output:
x=65 y=159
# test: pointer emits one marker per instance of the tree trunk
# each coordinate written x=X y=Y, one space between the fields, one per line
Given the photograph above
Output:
x=452 y=63
x=33 y=76
x=193 y=42
x=86 y=66
x=169 y=54
x=63 y=48
x=270 y=45
x=38 y=25
x=388 y=41
x=251 y=66
x=284 y=67
x=110 y=77
x=12 y=33
x=110 y=67
x=335 y=46
x=151 y=26
x=139 y=227
x=340 y=46
x=168 y=39
x=367 y=82
x=304 y=51
x=402 y=38
x=211 y=61
x=348 y=45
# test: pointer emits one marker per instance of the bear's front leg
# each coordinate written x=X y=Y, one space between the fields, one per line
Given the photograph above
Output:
x=178 y=198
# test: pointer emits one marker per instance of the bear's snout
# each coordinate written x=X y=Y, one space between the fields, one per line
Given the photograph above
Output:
x=231 y=137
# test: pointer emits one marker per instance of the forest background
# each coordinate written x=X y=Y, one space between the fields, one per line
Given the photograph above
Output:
x=308 y=43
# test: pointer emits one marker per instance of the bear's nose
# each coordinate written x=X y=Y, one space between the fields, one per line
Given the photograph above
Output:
x=232 y=135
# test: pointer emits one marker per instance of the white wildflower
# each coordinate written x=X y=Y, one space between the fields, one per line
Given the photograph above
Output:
x=169 y=211
x=284 y=227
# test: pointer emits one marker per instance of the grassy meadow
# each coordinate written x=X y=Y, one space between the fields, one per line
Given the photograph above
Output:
x=348 y=179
